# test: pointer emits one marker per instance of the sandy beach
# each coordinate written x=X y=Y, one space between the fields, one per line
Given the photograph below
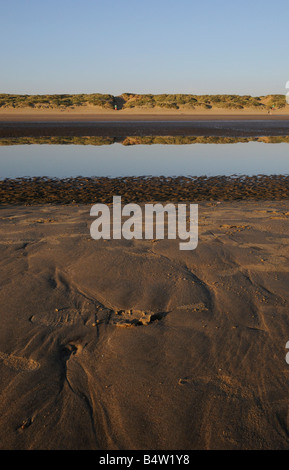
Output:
x=117 y=344
x=94 y=113
x=137 y=345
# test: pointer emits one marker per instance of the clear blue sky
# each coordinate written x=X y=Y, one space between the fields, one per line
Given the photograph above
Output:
x=151 y=46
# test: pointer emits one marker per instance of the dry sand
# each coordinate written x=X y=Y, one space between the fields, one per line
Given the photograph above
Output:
x=87 y=113
x=137 y=345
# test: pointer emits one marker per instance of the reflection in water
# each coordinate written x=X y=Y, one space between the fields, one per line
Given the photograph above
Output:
x=140 y=140
x=63 y=157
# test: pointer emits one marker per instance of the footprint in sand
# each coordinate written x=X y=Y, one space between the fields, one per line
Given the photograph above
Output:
x=82 y=309
x=63 y=317
x=120 y=318
x=18 y=363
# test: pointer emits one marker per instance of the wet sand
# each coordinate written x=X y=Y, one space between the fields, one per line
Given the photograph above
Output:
x=92 y=121
x=138 y=345
x=194 y=127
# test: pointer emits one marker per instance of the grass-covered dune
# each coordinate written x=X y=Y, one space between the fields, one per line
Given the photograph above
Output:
x=56 y=101
x=203 y=101
x=145 y=101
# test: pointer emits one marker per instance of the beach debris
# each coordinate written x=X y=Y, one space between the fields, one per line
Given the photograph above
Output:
x=185 y=380
x=25 y=424
x=131 y=317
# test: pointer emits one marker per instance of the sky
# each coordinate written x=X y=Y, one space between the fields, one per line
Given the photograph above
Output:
x=152 y=46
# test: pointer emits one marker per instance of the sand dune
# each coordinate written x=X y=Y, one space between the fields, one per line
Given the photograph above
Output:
x=137 y=345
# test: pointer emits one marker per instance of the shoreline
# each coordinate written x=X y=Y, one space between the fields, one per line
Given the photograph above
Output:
x=93 y=121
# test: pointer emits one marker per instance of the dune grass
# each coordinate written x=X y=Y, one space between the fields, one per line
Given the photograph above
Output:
x=56 y=101
x=147 y=101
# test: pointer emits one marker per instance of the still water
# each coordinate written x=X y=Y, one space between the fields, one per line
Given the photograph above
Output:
x=250 y=158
